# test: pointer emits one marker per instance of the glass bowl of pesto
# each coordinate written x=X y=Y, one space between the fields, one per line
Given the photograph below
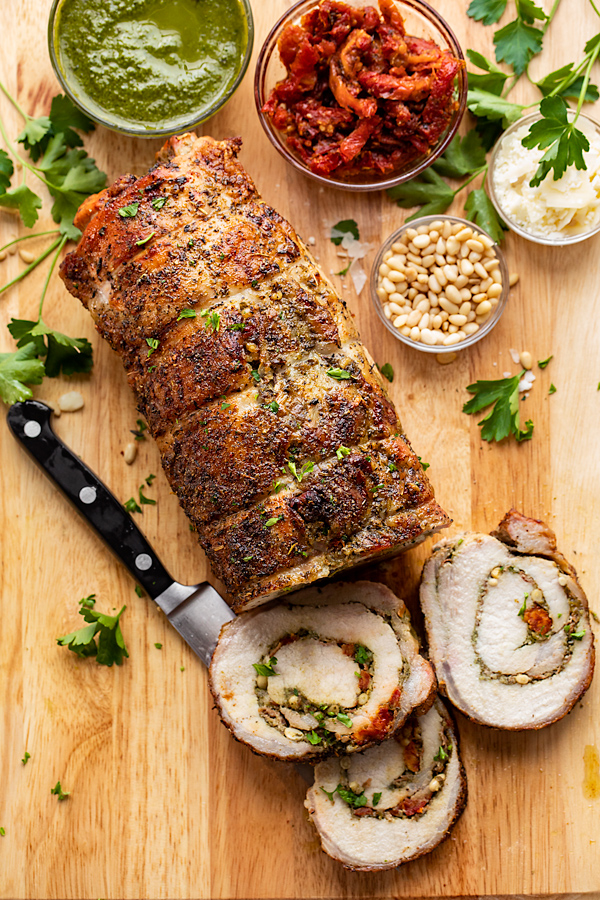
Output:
x=150 y=68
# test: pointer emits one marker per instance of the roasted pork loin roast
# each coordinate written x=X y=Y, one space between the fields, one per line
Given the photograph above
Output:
x=331 y=670
x=271 y=418
x=508 y=625
x=394 y=802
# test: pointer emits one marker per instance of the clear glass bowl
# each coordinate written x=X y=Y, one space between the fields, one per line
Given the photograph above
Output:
x=561 y=241
x=421 y=21
x=135 y=129
x=484 y=329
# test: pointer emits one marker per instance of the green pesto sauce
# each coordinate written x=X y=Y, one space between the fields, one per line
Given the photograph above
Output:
x=150 y=63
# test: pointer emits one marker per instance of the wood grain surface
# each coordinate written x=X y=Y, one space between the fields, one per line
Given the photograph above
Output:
x=163 y=802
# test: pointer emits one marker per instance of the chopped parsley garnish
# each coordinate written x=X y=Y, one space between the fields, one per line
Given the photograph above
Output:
x=145 y=240
x=273 y=406
x=392 y=467
x=344 y=719
x=339 y=374
x=362 y=655
x=352 y=799
x=313 y=738
x=542 y=363
x=574 y=635
x=503 y=419
x=266 y=669
x=376 y=798
x=270 y=522
x=153 y=344
x=342 y=451
x=523 y=608
x=128 y=212
x=187 y=314
x=131 y=506
x=299 y=475
x=138 y=590
x=139 y=431
x=110 y=647
x=62 y=795
x=212 y=318
x=150 y=479
x=277 y=486
x=158 y=646
x=237 y=326
x=329 y=793
x=26 y=757
x=344 y=271
x=340 y=229
x=247 y=558
x=254 y=283
x=387 y=372
x=552 y=389
x=424 y=465
x=256 y=375
x=89 y=602
x=2 y=831
x=158 y=202
x=225 y=405
x=441 y=755
x=147 y=501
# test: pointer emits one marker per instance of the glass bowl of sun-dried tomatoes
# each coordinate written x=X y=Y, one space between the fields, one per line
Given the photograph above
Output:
x=358 y=96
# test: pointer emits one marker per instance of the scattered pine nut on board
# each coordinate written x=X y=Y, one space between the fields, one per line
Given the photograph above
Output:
x=162 y=802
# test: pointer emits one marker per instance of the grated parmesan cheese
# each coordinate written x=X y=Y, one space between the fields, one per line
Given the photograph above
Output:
x=553 y=209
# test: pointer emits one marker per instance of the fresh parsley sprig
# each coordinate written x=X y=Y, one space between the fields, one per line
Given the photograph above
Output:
x=503 y=419
x=110 y=646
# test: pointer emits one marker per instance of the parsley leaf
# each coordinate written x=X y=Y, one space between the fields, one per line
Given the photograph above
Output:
x=480 y=209
x=573 y=87
x=158 y=646
x=552 y=389
x=517 y=43
x=64 y=117
x=313 y=738
x=542 y=363
x=266 y=669
x=340 y=229
x=339 y=374
x=26 y=758
x=273 y=406
x=387 y=371
x=494 y=79
x=424 y=465
x=110 y=647
x=487 y=105
x=486 y=11
x=62 y=795
x=148 y=501
x=128 y=212
x=362 y=655
x=441 y=755
x=131 y=506
x=273 y=521
x=187 y=314
x=565 y=144
x=428 y=189
x=18 y=369
x=153 y=344
x=299 y=475
x=351 y=798
x=158 y=202
x=63 y=353
x=461 y=157
x=503 y=419
x=329 y=793
x=376 y=797
x=212 y=319
x=344 y=719
x=342 y=451
x=23 y=199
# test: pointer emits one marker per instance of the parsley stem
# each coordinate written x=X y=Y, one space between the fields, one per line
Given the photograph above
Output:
x=62 y=243
x=27 y=237
x=32 y=265
x=13 y=101
x=551 y=15
x=586 y=80
x=595 y=8
x=472 y=178
x=27 y=165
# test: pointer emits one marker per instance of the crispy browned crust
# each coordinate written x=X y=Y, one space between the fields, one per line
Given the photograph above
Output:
x=238 y=388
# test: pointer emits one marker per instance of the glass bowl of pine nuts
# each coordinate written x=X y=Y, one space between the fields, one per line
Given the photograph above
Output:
x=439 y=283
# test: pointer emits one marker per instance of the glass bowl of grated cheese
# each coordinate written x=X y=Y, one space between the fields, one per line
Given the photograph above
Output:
x=556 y=213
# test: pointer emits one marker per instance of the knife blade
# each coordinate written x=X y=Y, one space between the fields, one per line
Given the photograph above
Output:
x=196 y=611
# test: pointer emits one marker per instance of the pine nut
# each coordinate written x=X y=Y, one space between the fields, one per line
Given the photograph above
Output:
x=395 y=308
x=451 y=339
x=386 y=256
x=522 y=679
x=397 y=262
x=130 y=453
x=440 y=247
x=400 y=247
x=496 y=276
x=428 y=261
x=474 y=244
x=480 y=270
x=397 y=298
x=446 y=230
x=495 y=290
x=458 y=320
x=440 y=260
x=464 y=234
x=395 y=276
x=27 y=256
x=421 y=240
x=466 y=267
x=465 y=308
x=444 y=359
x=415 y=334
x=3 y=255
x=424 y=321
x=451 y=273
x=513 y=279
x=405 y=330
x=452 y=246
x=450 y=307
x=461 y=282
x=381 y=294
x=453 y=294
x=526 y=360
x=428 y=337
x=423 y=306
x=422 y=279
x=483 y=308
x=413 y=317
x=71 y=401
x=384 y=270
x=434 y=285
x=470 y=328
x=387 y=311
x=399 y=321
x=439 y=274
x=388 y=286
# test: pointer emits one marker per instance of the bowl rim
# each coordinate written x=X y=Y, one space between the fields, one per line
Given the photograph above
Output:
x=133 y=131
x=471 y=339
x=269 y=46
x=565 y=241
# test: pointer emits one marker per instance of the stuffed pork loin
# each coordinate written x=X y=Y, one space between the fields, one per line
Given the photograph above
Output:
x=271 y=418
x=394 y=802
x=508 y=625
x=333 y=670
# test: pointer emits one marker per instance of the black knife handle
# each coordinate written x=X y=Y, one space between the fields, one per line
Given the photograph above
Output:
x=29 y=421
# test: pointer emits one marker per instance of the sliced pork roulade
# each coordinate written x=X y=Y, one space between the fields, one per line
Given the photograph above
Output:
x=335 y=669
x=381 y=808
x=508 y=625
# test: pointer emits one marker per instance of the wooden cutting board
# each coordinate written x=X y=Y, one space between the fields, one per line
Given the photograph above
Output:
x=163 y=802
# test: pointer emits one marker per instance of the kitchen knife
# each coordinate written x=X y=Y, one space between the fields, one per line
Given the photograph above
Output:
x=197 y=611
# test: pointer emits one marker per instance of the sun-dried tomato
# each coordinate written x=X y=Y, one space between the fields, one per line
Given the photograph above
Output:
x=361 y=96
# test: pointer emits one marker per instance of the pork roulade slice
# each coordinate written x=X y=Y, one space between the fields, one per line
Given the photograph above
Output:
x=381 y=808
x=508 y=625
x=333 y=670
